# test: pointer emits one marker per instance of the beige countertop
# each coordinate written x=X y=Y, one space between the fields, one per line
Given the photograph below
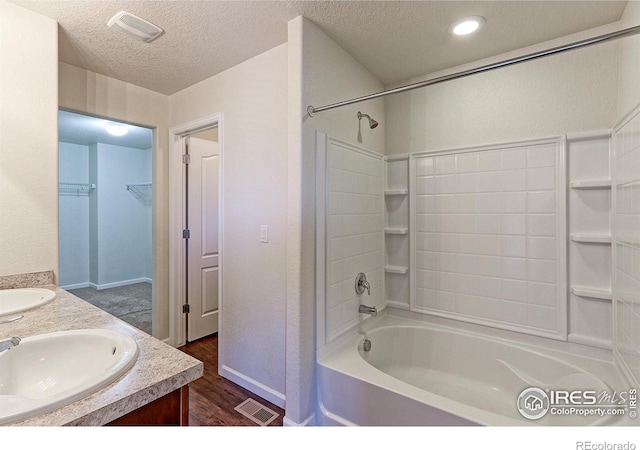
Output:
x=159 y=369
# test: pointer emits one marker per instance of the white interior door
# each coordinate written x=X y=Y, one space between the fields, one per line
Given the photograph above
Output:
x=202 y=245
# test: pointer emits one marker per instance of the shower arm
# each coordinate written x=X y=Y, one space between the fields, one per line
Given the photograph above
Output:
x=311 y=110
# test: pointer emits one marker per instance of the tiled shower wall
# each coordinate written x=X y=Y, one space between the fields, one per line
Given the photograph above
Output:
x=626 y=236
x=489 y=239
x=354 y=220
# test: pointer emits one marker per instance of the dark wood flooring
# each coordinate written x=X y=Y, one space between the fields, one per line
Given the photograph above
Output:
x=212 y=397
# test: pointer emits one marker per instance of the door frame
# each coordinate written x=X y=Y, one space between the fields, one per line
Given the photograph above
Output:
x=177 y=223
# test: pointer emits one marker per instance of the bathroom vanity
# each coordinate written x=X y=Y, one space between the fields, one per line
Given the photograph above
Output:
x=153 y=392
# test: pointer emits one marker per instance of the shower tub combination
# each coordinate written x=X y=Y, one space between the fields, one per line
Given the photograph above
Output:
x=430 y=373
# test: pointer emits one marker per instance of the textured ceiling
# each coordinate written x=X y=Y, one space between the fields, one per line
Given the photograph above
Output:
x=394 y=40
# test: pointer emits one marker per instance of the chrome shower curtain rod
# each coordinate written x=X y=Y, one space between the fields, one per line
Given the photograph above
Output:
x=311 y=110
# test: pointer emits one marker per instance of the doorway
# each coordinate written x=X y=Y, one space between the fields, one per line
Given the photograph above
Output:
x=105 y=215
x=195 y=253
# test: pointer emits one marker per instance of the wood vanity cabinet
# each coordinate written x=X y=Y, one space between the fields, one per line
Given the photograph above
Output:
x=171 y=409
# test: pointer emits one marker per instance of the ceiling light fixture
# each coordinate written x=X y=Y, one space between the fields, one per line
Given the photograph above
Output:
x=116 y=129
x=467 y=25
x=135 y=26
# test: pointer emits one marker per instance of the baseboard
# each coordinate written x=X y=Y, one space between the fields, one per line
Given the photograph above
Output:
x=69 y=287
x=254 y=386
x=100 y=287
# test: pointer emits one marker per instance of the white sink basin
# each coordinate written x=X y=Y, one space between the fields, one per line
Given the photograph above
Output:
x=48 y=371
x=17 y=300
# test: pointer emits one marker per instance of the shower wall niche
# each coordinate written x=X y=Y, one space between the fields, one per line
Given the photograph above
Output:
x=589 y=243
x=396 y=231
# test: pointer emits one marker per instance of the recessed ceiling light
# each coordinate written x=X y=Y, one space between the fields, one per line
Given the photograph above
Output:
x=116 y=129
x=467 y=25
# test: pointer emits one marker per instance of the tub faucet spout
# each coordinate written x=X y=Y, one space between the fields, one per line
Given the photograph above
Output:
x=8 y=344
x=364 y=309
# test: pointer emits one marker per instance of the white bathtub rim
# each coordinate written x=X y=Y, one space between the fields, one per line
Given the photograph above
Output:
x=392 y=317
x=508 y=337
x=343 y=360
x=538 y=351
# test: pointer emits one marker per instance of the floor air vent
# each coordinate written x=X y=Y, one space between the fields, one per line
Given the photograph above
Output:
x=256 y=412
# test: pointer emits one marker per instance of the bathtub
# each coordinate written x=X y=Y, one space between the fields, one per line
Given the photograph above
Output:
x=427 y=373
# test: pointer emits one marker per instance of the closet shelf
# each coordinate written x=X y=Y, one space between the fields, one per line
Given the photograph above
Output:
x=591 y=238
x=583 y=291
x=396 y=230
x=396 y=192
x=76 y=186
x=591 y=184
x=141 y=191
x=401 y=270
x=139 y=186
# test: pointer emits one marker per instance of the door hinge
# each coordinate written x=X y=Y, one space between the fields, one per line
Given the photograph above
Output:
x=186 y=234
x=186 y=309
x=186 y=159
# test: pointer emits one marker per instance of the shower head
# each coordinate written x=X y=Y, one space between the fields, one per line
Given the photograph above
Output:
x=372 y=123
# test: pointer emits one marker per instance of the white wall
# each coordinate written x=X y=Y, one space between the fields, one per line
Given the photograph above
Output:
x=571 y=92
x=87 y=92
x=28 y=141
x=626 y=206
x=118 y=249
x=121 y=220
x=74 y=215
x=568 y=93
x=629 y=93
x=252 y=99
x=320 y=72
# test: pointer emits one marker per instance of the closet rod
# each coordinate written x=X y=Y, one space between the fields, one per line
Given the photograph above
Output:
x=311 y=110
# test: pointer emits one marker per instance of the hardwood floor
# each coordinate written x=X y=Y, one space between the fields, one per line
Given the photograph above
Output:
x=212 y=397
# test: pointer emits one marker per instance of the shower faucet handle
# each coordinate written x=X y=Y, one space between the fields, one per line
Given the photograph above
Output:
x=362 y=284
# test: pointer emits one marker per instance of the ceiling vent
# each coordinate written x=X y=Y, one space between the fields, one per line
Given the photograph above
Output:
x=135 y=26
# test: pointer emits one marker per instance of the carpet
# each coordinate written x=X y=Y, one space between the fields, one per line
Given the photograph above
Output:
x=131 y=303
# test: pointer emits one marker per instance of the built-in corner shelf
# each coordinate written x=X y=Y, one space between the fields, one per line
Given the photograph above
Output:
x=591 y=184
x=582 y=291
x=396 y=230
x=591 y=238
x=396 y=192
x=401 y=270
